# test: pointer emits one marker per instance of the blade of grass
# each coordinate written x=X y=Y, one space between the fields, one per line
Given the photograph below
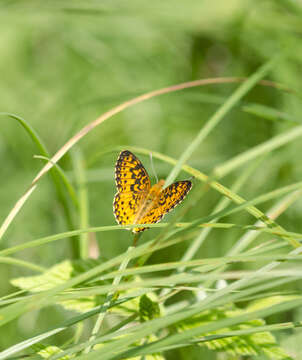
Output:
x=11 y=312
x=117 y=349
x=30 y=131
x=184 y=278
x=195 y=245
x=142 y=351
x=273 y=213
x=143 y=326
x=22 y=263
x=250 y=236
x=269 y=113
x=55 y=174
x=112 y=296
x=60 y=236
x=39 y=338
x=258 y=200
x=274 y=143
x=154 y=325
x=242 y=90
x=78 y=164
x=196 y=263
x=70 y=189
x=215 y=325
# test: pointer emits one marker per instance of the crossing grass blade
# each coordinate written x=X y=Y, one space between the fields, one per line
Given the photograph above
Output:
x=219 y=114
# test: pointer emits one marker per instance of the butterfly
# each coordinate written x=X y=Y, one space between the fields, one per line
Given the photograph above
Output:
x=136 y=201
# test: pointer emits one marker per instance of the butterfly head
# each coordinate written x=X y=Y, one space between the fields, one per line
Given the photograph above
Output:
x=160 y=184
x=156 y=189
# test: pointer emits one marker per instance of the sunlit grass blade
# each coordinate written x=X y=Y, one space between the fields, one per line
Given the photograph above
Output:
x=272 y=213
x=78 y=163
x=30 y=131
x=119 y=346
x=55 y=175
x=39 y=338
x=195 y=245
x=111 y=297
x=266 y=112
x=69 y=187
x=250 y=236
x=22 y=263
x=143 y=326
x=199 y=264
x=142 y=351
x=185 y=226
x=219 y=114
x=270 y=145
x=11 y=312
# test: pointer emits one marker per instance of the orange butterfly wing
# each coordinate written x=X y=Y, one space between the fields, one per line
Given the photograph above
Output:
x=133 y=185
x=167 y=200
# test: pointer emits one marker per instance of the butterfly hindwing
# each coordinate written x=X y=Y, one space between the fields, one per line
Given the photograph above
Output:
x=125 y=207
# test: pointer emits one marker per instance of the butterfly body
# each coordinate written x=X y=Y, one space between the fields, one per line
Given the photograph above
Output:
x=137 y=202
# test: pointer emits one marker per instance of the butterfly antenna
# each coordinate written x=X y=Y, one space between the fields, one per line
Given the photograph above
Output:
x=152 y=166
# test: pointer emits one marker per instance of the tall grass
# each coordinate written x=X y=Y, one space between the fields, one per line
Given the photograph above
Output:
x=214 y=92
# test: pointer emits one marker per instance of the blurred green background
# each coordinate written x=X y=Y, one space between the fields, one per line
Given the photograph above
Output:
x=64 y=63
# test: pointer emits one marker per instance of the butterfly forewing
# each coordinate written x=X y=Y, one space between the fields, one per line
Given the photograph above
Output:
x=130 y=174
x=133 y=185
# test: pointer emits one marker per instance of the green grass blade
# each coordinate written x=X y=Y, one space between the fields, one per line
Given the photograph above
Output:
x=195 y=245
x=270 y=145
x=55 y=174
x=70 y=189
x=109 y=301
x=39 y=338
x=30 y=131
x=242 y=90
x=22 y=263
x=79 y=168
